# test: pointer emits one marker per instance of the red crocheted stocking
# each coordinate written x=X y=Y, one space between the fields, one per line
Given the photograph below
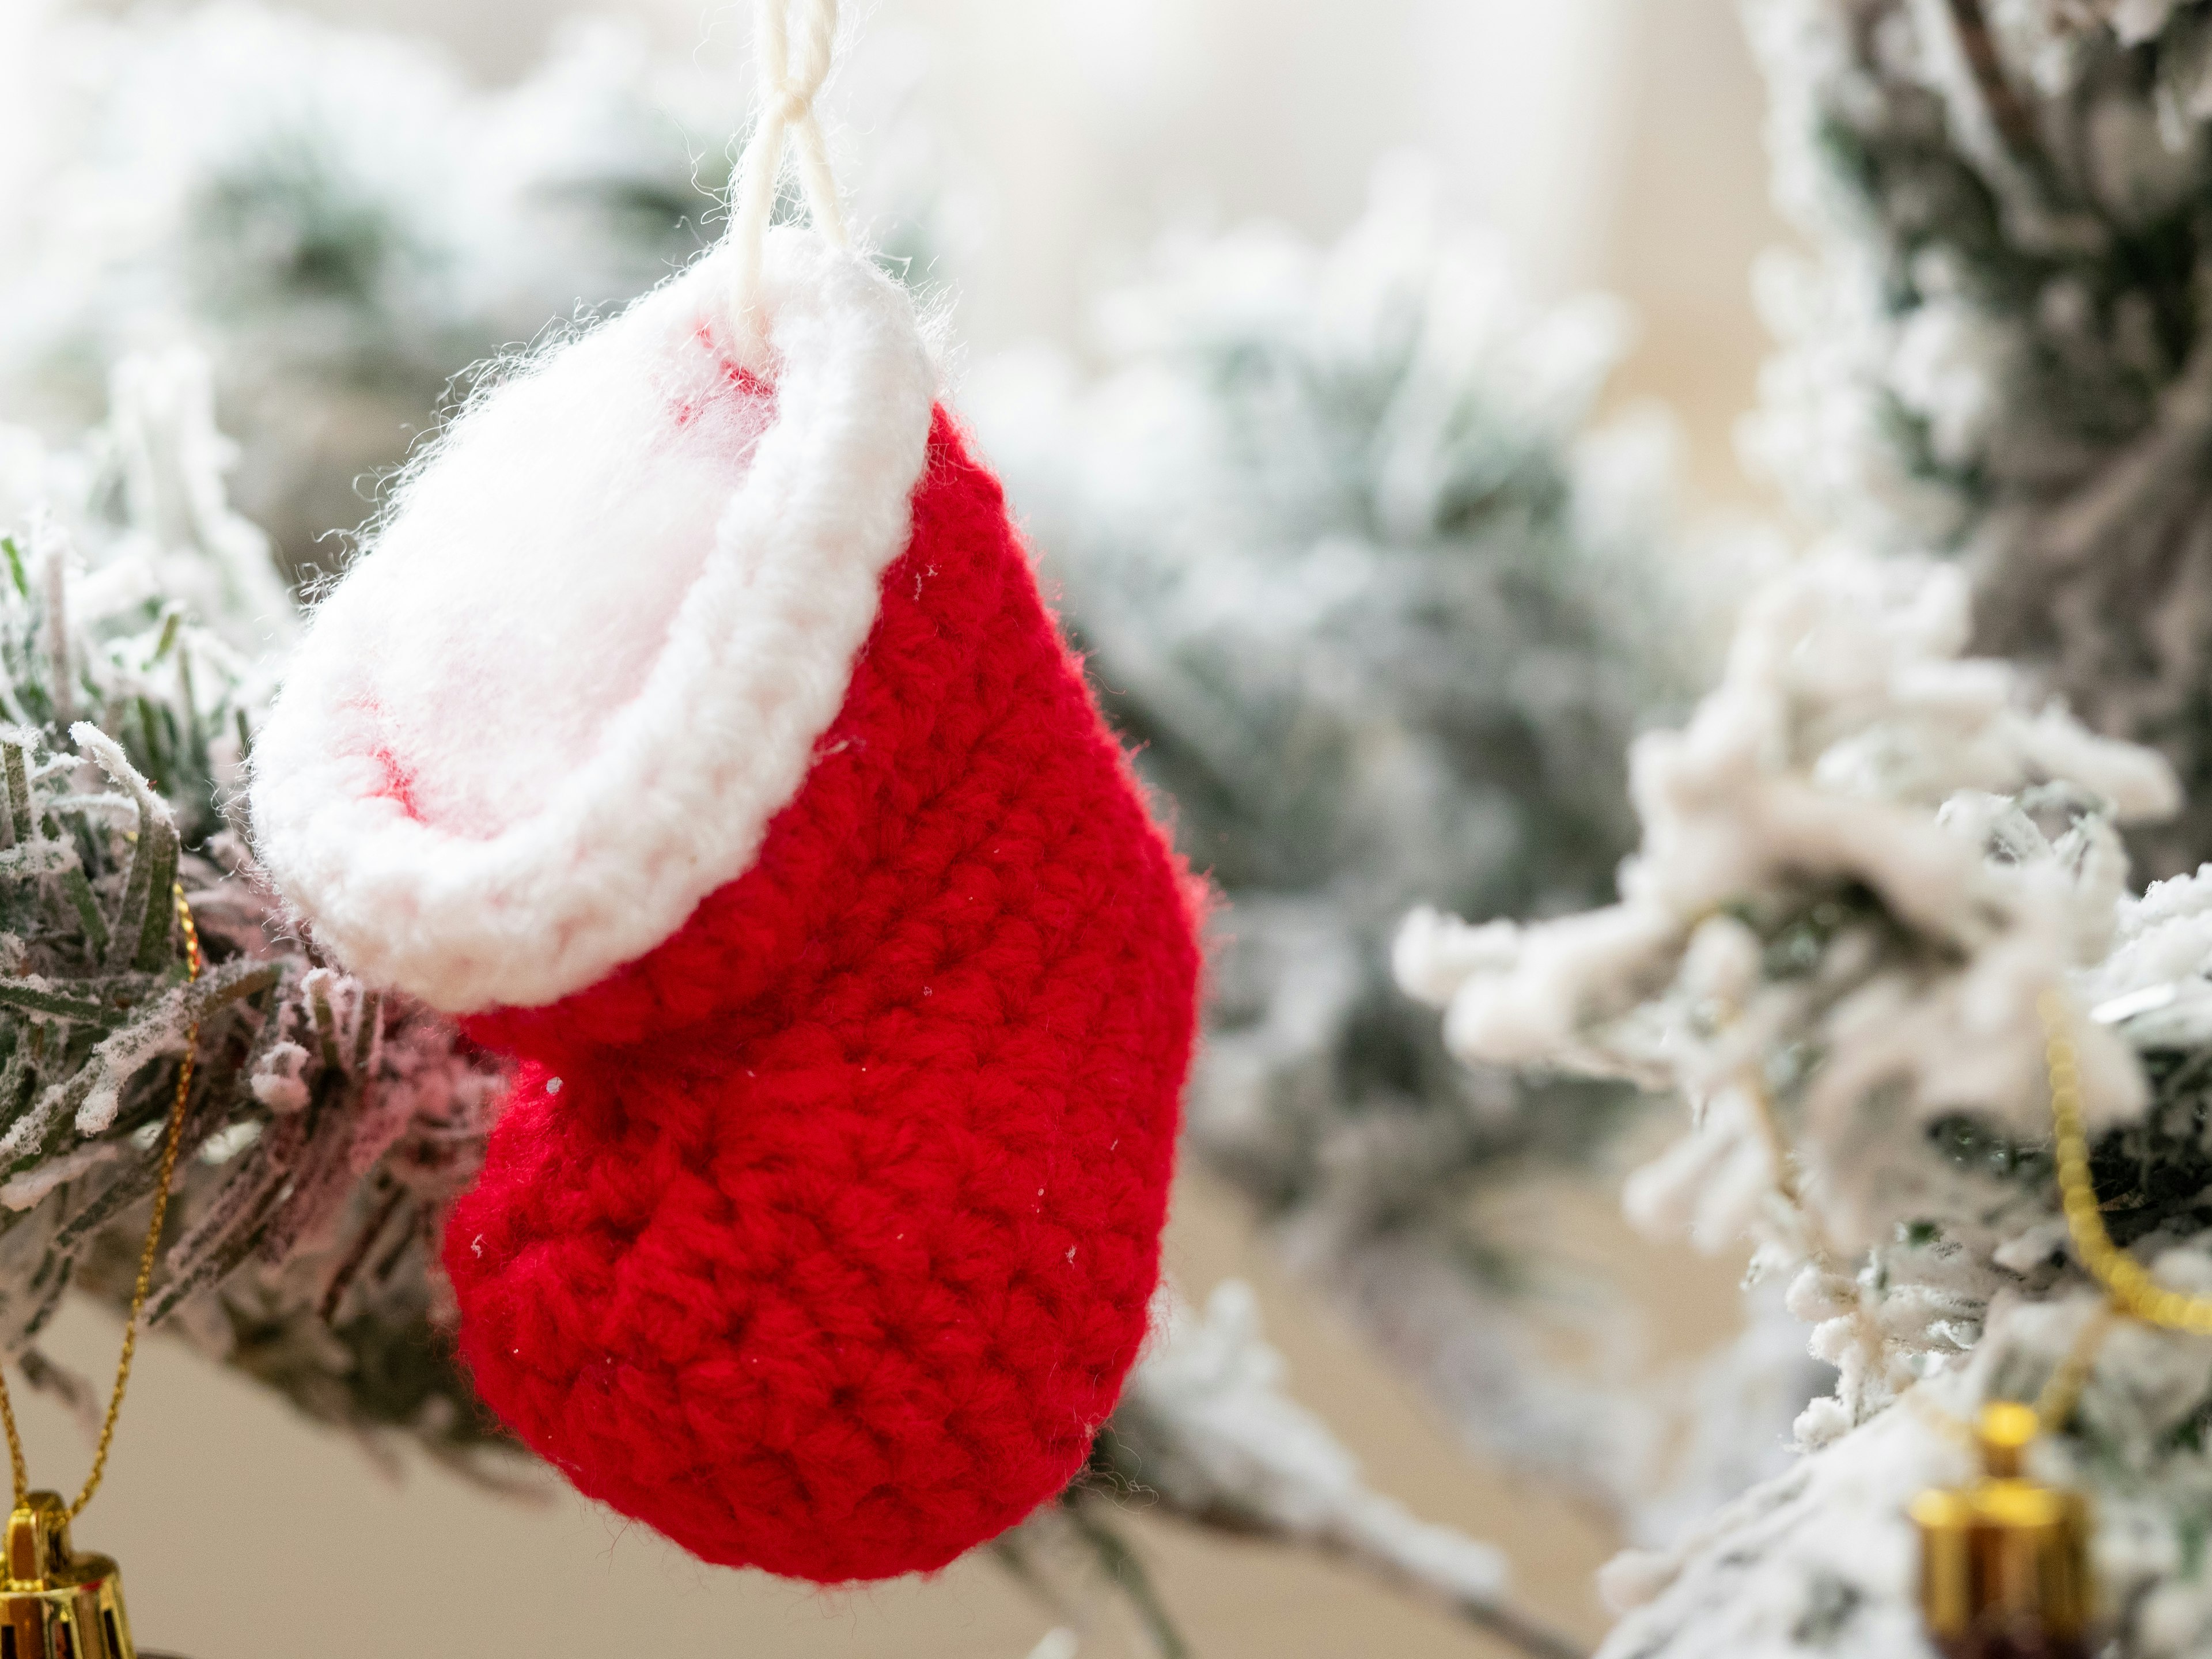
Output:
x=820 y=1232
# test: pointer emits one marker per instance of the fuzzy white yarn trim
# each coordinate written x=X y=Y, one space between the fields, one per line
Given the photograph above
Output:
x=494 y=772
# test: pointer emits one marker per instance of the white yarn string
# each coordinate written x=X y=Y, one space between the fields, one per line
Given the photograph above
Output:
x=789 y=80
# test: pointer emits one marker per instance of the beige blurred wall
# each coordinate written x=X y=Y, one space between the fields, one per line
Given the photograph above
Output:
x=1616 y=142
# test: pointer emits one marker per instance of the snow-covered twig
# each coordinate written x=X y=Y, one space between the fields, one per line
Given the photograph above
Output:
x=1207 y=1427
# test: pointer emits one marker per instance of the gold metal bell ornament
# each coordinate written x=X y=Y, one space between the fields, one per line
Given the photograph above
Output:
x=55 y=1603
x=2004 y=1564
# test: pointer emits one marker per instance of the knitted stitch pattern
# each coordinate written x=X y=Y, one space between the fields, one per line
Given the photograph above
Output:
x=821 y=1237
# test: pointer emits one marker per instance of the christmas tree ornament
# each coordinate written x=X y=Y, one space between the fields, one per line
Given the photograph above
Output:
x=2004 y=1564
x=692 y=727
x=54 y=1602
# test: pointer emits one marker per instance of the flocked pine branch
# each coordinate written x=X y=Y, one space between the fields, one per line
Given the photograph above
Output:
x=328 y=1124
x=1208 y=1433
x=1382 y=609
x=1865 y=860
x=1998 y=347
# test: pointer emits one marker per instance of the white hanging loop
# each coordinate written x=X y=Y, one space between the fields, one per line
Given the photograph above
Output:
x=789 y=80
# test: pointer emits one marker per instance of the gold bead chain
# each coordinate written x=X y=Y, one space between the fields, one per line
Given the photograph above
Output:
x=2129 y=1283
x=2131 y=1292
x=146 y=1255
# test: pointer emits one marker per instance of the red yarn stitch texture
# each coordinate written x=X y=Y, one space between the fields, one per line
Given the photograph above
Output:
x=821 y=1237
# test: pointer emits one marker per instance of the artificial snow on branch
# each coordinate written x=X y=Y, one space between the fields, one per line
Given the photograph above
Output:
x=328 y=1124
x=1209 y=1432
x=1998 y=350
x=1867 y=859
x=1834 y=940
x=1381 y=607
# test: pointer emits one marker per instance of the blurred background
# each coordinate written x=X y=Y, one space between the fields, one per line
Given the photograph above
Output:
x=1033 y=159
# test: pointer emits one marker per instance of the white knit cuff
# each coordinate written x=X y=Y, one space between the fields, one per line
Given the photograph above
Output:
x=587 y=656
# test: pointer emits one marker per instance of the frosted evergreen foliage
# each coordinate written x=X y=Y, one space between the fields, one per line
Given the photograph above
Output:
x=345 y=224
x=1381 y=613
x=1207 y=1423
x=1209 y=1432
x=328 y=1124
x=1865 y=860
x=1997 y=349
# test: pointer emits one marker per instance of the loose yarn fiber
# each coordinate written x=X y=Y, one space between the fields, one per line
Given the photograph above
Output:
x=856 y=987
